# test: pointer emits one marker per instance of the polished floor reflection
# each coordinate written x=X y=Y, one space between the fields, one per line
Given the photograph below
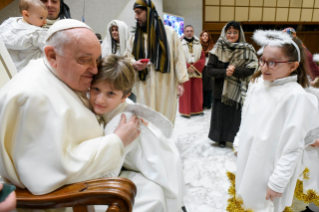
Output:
x=204 y=164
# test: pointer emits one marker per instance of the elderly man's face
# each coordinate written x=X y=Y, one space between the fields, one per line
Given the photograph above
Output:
x=78 y=63
x=189 y=32
x=53 y=8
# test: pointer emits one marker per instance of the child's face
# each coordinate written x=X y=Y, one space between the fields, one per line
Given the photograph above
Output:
x=37 y=16
x=115 y=33
x=281 y=70
x=104 y=98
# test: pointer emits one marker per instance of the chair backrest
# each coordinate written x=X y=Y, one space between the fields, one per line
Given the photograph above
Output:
x=7 y=67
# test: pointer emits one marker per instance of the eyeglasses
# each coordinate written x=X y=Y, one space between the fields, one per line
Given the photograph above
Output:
x=234 y=33
x=270 y=64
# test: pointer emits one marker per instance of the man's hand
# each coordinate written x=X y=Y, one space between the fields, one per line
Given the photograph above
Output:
x=180 y=90
x=230 y=70
x=272 y=194
x=129 y=131
x=9 y=204
x=191 y=70
x=316 y=144
x=138 y=65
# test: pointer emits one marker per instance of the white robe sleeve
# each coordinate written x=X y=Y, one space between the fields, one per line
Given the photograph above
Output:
x=298 y=109
x=41 y=149
x=180 y=67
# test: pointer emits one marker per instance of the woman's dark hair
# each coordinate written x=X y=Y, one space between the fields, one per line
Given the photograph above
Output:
x=291 y=53
x=234 y=24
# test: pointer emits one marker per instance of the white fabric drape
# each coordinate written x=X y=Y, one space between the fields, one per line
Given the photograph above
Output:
x=124 y=35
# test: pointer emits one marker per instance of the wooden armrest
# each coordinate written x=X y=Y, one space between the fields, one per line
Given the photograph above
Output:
x=115 y=192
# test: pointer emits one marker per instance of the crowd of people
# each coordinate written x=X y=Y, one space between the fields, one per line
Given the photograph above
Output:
x=81 y=108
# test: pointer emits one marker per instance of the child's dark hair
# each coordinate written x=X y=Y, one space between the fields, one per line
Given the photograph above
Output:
x=291 y=53
x=118 y=71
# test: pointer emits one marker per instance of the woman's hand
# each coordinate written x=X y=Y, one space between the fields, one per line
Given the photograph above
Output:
x=316 y=144
x=272 y=194
x=230 y=70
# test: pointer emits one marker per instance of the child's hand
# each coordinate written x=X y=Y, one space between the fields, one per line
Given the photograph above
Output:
x=316 y=144
x=144 y=122
x=272 y=194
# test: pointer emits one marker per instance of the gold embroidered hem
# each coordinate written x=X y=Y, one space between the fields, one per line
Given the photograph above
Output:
x=308 y=196
x=197 y=113
x=195 y=74
x=236 y=204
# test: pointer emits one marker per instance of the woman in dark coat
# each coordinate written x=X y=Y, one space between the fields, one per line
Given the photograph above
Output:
x=231 y=63
x=207 y=45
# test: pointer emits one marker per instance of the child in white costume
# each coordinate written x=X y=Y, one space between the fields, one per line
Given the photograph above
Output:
x=24 y=36
x=150 y=155
x=276 y=117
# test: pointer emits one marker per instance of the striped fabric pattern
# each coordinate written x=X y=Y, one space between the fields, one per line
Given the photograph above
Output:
x=157 y=46
x=240 y=55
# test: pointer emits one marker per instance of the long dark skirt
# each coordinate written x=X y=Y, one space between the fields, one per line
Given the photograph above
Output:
x=207 y=99
x=207 y=90
x=225 y=121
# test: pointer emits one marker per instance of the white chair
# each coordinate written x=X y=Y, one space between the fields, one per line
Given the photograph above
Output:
x=7 y=67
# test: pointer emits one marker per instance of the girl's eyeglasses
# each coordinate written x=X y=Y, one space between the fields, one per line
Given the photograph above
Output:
x=270 y=64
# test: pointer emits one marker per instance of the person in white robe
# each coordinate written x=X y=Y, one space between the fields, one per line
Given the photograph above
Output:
x=276 y=117
x=151 y=154
x=24 y=36
x=159 y=82
x=49 y=138
x=115 y=44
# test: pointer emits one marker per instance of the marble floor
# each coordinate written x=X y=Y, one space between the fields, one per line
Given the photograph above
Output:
x=204 y=164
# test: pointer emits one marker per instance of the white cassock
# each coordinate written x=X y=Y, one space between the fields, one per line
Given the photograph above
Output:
x=152 y=162
x=275 y=120
x=48 y=138
x=159 y=91
x=24 y=41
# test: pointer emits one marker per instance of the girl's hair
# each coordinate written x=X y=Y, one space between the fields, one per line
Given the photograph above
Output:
x=116 y=70
x=209 y=44
x=291 y=53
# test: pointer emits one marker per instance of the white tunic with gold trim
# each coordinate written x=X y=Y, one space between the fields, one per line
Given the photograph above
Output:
x=275 y=120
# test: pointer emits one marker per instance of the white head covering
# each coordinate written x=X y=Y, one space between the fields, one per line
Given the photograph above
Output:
x=66 y=24
x=316 y=57
x=273 y=38
x=123 y=33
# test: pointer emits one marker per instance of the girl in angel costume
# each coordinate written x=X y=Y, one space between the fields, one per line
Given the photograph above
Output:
x=276 y=116
x=151 y=154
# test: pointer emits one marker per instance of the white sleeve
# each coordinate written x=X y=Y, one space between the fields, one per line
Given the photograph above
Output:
x=39 y=150
x=301 y=116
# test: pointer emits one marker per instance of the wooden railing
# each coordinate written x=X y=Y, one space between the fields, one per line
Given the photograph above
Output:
x=4 y=3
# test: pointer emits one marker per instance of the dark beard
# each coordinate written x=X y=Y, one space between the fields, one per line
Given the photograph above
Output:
x=142 y=26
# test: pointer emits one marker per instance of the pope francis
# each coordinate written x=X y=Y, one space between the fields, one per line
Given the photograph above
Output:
x=48 y=137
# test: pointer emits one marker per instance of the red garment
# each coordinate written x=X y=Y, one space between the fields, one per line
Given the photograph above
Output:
x=191 y=102
x=313 y=68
